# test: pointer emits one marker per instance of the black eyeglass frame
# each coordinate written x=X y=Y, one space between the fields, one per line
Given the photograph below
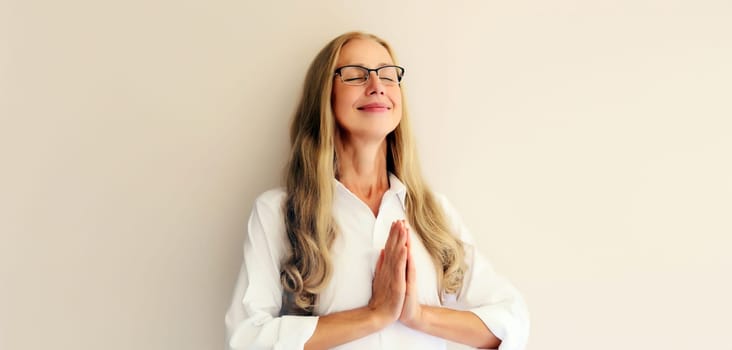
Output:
x=400 y=72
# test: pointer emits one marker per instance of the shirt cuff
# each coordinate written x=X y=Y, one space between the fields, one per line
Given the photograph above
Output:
x=504 y=325
x=295 y=331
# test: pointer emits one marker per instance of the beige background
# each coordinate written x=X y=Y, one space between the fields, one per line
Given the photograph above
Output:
x=587 y=145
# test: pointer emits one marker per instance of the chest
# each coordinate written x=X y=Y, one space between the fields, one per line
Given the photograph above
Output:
x=355 y=252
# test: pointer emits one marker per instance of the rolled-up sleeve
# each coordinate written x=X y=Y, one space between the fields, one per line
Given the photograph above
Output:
x=488 y=295
x=252 y=320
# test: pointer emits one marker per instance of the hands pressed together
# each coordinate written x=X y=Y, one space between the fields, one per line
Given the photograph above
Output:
x=394 y=298
x=394 y=289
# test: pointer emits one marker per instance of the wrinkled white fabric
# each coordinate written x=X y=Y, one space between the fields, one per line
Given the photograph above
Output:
x=253 y=321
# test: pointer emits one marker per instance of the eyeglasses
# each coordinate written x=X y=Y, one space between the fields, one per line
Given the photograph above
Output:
x=359 y=75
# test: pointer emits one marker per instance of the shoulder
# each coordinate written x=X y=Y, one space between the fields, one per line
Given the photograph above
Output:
x=275 y=196
x=266 y=227
x=270 y=202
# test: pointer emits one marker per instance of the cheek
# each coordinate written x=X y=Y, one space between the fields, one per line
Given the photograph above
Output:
x=395 y=94
x=396 y=99
x=336 y=104
x=342 y=101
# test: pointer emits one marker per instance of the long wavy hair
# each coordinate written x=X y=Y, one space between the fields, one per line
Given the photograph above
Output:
x=310 y=171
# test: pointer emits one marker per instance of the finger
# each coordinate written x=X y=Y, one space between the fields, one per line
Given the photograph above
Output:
x=401 y=265
x=380 y=262
x=403 y=233
x=396 y=241
x=392 y=238
x=410 y=259
x=411 y=271
x=398 y=238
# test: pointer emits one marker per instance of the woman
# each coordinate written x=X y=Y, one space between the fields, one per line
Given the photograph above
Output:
x=356 y=252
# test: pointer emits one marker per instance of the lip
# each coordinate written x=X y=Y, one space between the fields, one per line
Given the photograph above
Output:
x=374 y=107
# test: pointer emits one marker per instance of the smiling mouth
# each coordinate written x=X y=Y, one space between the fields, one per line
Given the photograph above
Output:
x=374 y=108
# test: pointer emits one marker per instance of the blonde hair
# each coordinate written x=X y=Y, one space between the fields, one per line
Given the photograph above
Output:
x=310 y=171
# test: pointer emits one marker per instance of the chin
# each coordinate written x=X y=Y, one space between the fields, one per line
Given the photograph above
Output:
x=381 y=130
x=371 y=129
x=375 y=135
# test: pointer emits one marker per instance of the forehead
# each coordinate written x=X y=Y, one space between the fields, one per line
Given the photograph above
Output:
x=365 y=52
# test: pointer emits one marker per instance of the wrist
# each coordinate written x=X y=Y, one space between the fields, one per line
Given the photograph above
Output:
x=421 y=320
x=377 y=318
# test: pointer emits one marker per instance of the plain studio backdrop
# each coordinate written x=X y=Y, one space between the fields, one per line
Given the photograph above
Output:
x=587 y=145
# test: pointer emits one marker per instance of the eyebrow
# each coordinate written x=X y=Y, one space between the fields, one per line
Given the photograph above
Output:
x=361 y=64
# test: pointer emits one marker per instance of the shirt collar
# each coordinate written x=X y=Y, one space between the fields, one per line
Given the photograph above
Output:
x=395 y=187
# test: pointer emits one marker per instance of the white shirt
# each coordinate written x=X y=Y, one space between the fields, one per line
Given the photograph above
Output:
x=253 y=320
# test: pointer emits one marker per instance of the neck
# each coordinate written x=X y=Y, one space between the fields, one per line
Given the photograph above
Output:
x=362 y=167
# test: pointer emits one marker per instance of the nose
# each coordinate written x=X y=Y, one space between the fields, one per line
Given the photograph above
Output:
x=374 y=86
